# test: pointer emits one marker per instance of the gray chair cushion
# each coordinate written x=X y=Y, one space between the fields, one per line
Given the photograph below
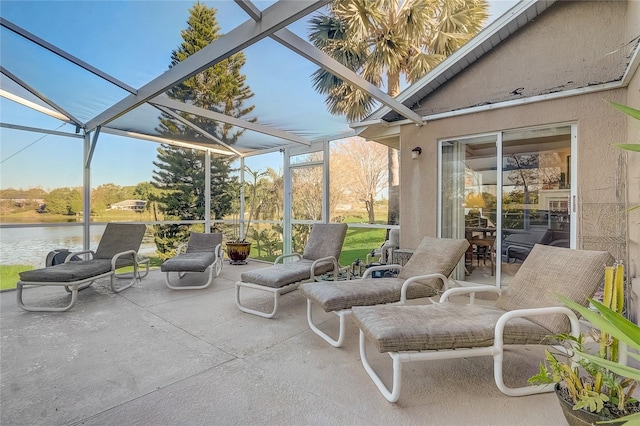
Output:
x=189 y=262
x=280 y=275
x=68 y=272
x=394 y=328
x=199 y=242
x=325 y=239
x=549 y=271
x=119 y=237
x=335 y=296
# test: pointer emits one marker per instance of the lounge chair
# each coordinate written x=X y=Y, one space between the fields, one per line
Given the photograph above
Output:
x=201 y=253
x=528 y=312
x=320 y=256
x=118 y=248
x=424 y=275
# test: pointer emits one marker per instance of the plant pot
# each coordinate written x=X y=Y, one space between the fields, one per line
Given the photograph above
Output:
x=579 y=417
x=238 y=252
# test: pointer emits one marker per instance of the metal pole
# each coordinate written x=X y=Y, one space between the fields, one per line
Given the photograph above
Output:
x=287 y=207
x=207 y=192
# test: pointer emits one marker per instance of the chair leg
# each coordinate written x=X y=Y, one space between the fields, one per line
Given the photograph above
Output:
x=134 y=279
x=336 y=343
x=68 y=288
x=253 y=311
x=213 y=272
x=277 y=292
x=74 y=298
x=394 y=394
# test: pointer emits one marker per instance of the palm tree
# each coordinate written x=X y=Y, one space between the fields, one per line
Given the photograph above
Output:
x=388 y=38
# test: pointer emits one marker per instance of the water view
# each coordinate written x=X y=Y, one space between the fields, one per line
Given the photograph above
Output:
x=29 y=246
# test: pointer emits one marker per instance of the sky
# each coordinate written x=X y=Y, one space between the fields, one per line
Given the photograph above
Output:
x=132 y=41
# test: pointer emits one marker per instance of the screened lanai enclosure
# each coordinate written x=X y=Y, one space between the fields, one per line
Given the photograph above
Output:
x=92 y=98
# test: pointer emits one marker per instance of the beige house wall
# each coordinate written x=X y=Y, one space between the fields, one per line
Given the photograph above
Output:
x=572 y=45
x=600 y=164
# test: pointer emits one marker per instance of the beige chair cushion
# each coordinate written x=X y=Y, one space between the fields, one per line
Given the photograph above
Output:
x=434 y=255
x=280 y=275
x=325 y=239
x=549 y=271
x=394 y=328
x=336 y=296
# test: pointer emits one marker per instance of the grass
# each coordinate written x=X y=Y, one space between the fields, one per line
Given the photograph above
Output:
x=9 y=275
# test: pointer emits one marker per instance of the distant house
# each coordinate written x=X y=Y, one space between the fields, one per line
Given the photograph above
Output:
x=135 y=205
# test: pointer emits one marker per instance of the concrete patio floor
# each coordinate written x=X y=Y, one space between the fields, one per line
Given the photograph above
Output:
x=153 y=356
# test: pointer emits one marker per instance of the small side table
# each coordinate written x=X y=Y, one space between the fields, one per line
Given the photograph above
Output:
x=401 y=256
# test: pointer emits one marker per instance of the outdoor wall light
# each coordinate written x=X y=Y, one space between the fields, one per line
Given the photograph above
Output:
x=415 y=152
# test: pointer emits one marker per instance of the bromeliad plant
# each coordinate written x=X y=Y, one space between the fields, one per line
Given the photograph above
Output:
x=598 y=382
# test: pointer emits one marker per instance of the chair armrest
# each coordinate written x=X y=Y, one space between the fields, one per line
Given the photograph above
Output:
x=70 y=255
x=369 y=270
x=134 y=254
x=285 y=256
x=532 y=312
x=336 y=266
x=468 y=290
x=218 y=252
x=405 y=285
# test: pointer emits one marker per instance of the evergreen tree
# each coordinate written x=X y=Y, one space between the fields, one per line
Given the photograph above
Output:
x=181 y=174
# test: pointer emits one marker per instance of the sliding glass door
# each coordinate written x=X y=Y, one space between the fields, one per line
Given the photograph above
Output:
x=505 y=193
x=469 y=194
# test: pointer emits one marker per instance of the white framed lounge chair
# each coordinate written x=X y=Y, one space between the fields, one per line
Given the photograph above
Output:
x=424 y=275
x=320 y=256
x=201 y=253
x=118 y=247
x=528 y=312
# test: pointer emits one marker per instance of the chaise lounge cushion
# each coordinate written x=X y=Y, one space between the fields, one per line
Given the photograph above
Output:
x=336 y=296
x=203 y=243
x=283 y=274
x=395 y=328
x=190 y=262
x=68 y=272
x=433 y=255
x=535 y=284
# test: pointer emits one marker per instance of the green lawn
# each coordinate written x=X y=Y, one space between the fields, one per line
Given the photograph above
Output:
x=9 y=275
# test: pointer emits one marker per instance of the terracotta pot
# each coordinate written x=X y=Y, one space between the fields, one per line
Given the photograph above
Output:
x=238 y=252
x=579 y=417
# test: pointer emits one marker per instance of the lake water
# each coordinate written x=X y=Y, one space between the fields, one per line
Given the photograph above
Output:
x=29 y=246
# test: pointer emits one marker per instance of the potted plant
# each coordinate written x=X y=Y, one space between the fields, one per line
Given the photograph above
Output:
x=239 y=248
x=594 y=388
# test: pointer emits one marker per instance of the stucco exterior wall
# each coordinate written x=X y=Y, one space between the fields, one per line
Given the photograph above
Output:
x=571 y=45
x=599 y=165
x=633 y=159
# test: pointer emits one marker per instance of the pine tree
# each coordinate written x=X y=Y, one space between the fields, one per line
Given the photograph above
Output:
x=180 y=171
